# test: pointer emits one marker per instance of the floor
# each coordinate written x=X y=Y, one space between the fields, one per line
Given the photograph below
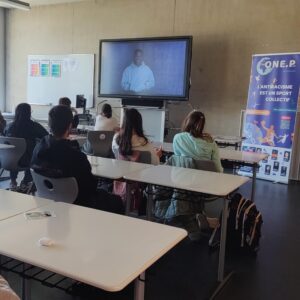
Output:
x=188 y=272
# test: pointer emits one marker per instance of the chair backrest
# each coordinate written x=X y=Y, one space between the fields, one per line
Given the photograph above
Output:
x=206 y=165
x=9 y=158
x=100 y=143
x=57 y=189
x=145 y=157
x=188 y=162
x=137 y=156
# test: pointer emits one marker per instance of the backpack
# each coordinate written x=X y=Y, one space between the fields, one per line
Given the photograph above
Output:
x=244 y=226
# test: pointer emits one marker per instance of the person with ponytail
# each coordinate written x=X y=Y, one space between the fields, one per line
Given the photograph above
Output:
x=105 y=121
x=194 y=143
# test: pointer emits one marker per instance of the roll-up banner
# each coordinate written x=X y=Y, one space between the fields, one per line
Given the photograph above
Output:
x=271 y=112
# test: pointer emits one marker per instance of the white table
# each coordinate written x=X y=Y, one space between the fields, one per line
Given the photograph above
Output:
x=113 y=168
x=80 y=138
x=224 y=141
x=13 y=203
x=242 y=158
x=166 y=147
x=85 y=127
x=216 y=184
x=105 y=250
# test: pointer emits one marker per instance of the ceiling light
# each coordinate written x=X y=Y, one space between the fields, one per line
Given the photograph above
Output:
x=14 y=4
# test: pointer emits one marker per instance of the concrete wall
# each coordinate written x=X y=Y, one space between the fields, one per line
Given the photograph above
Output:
x=2 y=59
x=226 y=34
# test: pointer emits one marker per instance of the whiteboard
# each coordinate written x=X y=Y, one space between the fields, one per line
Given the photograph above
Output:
x=51 y=77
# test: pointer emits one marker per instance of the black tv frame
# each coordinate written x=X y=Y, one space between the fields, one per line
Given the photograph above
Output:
x=147 y=97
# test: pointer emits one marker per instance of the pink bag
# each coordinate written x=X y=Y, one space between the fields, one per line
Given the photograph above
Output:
x=120 y=187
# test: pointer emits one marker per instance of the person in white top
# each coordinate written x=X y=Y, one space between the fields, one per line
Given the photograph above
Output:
x=137 y=77
x=131 y=137
x=105 y=121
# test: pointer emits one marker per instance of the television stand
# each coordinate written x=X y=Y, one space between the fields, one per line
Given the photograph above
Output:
x=142 y=102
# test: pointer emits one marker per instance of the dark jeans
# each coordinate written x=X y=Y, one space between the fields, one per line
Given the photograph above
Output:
x=103 y=200
x=27 y=176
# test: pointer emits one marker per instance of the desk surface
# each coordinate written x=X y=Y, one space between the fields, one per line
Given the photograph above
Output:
x=231 y=140
x=85 y=127
x=211 y=183
x=12 y=203
x=226 y=154
x=242 y=156
x=104 y=250
x=112 y=168
x=4 y=146
x=77 y=137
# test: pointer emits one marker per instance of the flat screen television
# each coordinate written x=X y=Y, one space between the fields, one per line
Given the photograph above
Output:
x=145 y=68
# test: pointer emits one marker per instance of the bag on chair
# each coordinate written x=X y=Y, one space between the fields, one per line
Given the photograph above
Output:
x=244 y=226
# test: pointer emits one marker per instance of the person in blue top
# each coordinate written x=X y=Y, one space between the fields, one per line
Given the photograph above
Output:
x=194 y=143
x=137 y=77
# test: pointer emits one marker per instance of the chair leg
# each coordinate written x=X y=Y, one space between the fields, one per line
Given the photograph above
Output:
x=3 y=178
x=30 y=189
x=212 y=237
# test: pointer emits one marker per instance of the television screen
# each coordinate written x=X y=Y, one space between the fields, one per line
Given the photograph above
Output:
x=145 y=68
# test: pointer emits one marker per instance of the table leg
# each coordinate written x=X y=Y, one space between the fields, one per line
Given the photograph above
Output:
x=139 y=287
x=223 y=241
x=25 y=286
x=221 y=279
x=2 y=178
x=128 y=199
x=150 y=203
x=253 y=181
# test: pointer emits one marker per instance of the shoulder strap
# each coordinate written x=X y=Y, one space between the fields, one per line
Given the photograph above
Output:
x=244 y=219
x=258 y=217
x=242 y=203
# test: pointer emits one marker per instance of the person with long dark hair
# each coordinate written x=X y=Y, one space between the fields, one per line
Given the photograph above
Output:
x=131 y=137
x=24 y=127
x=105 y=121
x=194 y=143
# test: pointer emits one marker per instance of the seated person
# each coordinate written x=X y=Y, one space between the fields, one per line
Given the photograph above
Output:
x=131 y=137
x=125 y=145
x=67 y=102
x=194 y=143
x=57 y=156
x=24 y=127
x=186 y=209
x=105 y=121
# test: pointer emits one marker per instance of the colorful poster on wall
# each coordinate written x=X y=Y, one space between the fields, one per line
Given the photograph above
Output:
x=34 y=68
x=271 y=113
x=56 y=69
x=45 y=68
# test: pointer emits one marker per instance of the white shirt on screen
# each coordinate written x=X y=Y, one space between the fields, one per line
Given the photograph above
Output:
x=105 y=124
x=137 y=78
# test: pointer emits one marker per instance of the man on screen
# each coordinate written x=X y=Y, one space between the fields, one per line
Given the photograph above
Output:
x=137 y=77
